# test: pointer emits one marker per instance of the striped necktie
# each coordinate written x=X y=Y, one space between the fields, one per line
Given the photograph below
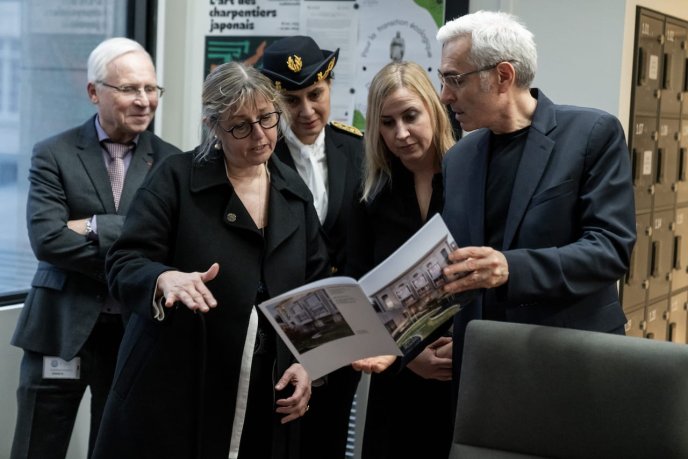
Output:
x=116 y=168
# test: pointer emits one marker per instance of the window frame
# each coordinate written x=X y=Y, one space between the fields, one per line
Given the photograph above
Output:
x=141 y=25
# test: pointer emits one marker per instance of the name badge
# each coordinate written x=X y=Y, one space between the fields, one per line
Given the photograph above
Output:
x=56 y=368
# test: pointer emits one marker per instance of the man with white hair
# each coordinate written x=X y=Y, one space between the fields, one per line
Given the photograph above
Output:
x=539 y=197
x=81 y=184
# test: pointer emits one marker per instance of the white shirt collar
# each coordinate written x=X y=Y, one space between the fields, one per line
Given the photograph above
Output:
x=311 y=164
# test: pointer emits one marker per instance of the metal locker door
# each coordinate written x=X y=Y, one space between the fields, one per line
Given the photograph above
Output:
x=636 y=282
x=643 y=157
x=666 y=163
x=678 y=318
x=648 y=62
x=661 y=254
x=679 y=276
x=656 y=321
x=635 y=325
x=681 y=56
x=673 y=69
x=682 y=160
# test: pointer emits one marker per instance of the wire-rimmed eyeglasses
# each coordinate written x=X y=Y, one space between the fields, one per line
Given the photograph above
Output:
x=454 y=81
x=132 y=91
x=243 y=130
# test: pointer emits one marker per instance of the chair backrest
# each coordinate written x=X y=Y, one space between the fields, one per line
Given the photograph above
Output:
x=534 y=391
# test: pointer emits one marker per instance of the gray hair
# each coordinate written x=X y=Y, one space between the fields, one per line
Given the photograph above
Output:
x=227 y=89
x=106 y=52
x=495 y=37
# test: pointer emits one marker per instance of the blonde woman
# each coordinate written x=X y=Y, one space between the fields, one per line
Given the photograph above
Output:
x=407 y=133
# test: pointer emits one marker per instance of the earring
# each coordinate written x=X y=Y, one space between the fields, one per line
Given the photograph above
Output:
x=218 y=143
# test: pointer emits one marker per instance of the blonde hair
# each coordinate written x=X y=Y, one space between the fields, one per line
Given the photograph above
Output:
x=227 y=89
x=391 y=77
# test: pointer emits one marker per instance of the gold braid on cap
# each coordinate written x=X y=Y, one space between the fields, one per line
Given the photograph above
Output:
x=323 y=75
x=295 y=64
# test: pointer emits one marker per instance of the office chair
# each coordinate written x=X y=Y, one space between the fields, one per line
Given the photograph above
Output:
x=531 y=391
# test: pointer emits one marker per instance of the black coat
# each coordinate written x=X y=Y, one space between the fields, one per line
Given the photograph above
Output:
x=377 y=228
x=187 y=217
x=326 y=427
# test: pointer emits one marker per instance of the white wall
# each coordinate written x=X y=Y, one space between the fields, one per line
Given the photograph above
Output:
x=181 y=45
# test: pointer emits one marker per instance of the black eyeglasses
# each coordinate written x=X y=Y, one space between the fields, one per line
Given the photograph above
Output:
x=152 y=92
x=243 y=130
x=454 y=81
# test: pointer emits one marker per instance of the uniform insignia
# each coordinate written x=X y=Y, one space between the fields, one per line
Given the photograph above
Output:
x=330 y=66
x=295 y=63
x=346 y=128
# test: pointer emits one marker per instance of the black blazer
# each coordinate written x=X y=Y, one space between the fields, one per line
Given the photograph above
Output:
x=387 y=220
x=570 y=227
x=186 y=217
x=68 y=181
x=379 y=227
x=344 y=152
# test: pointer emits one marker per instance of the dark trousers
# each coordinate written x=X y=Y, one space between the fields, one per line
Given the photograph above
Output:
x=407 y=417
x=47 y=408
x=325 y=427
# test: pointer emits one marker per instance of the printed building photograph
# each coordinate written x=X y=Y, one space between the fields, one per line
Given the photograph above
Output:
x=415 y=302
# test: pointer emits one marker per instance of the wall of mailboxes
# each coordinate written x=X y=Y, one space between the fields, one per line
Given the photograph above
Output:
x=655 y=290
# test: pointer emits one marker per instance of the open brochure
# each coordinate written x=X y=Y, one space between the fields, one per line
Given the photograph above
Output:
x=396 y=309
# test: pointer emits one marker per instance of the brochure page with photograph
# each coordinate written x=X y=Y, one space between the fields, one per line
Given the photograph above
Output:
x=395 y=309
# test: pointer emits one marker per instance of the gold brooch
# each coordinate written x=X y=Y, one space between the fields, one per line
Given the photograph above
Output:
x=295 y=64
x=323 y=75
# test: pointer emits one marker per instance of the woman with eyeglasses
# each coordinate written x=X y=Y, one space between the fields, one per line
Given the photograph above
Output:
x=201 y=374
x=407 y=133
x=328 y=157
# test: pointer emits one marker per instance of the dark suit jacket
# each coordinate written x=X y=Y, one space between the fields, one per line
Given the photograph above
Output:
x=186 y=217
x=570 y=227
x=68 y=181
x=344 y=152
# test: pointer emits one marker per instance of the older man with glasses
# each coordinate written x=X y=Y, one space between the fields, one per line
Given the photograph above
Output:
x=82 y=182
x=539 y=197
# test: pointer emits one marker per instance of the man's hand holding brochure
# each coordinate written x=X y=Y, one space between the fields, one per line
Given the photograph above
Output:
x=395 y=310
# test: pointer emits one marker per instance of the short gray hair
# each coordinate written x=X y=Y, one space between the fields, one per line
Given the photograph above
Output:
x=495 y=37
x=106 y=52
x=227 y=89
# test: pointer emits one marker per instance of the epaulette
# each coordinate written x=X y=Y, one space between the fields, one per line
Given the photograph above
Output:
x=346 y=128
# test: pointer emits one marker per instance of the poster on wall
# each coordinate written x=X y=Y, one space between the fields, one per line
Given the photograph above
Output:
x=406 y=32
x=368 y=33
x=334 y=24
x=239 y=30
x=242 y=29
